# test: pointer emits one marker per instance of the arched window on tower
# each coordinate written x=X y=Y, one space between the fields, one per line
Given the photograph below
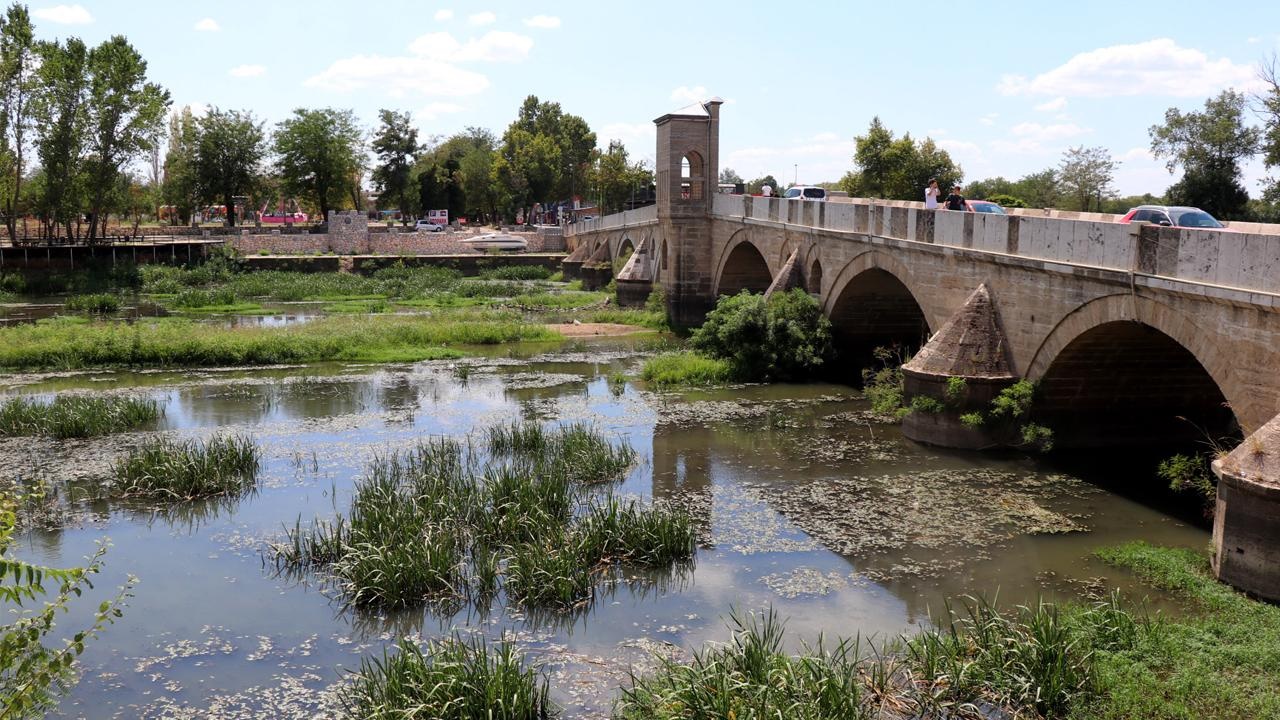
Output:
x=692 y=177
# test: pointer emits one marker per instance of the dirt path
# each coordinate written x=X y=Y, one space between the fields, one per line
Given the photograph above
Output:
x=590 y=329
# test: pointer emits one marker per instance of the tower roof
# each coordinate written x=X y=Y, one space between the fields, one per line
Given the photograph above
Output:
x=971 y=344
x=697 y=110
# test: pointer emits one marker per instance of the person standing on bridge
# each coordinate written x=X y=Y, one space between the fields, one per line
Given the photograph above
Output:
x=955 y=201
x=931 y=194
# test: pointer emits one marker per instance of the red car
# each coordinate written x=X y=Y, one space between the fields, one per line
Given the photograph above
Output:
x=1171 y=216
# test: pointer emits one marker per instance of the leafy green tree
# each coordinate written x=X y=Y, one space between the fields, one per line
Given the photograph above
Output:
x=396 y=145
x=475 y=169
x=18 y=64
x=125 y=116
x=178 y=182
x=614 y=179
x=1210 y=147
x=897 y=168
x=544 y=154
x=729 y=175
x=1007 y=201
x=1085 y=175
x=984 y=189
x=319 y=156
x=1038 y=189
x=1267 y=105
x=58 y=108
x=229 y=149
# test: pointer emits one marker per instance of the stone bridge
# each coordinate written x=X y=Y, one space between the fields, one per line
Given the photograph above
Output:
x=1133 y=334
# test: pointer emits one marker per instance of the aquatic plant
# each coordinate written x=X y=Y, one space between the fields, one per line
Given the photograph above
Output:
x=196 y=299
x=100 y=303
x=73 y=416
x=164 y=468
x=674 y=369
x=454 y=679
x=517 y=272
x=434 y=522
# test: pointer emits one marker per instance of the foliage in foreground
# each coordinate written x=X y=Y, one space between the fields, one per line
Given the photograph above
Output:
x=173 y=342
x=440 y=522
x=35 y=670
x=783 y=338
x=454 y=679
x=185 y=469
x=75 y=416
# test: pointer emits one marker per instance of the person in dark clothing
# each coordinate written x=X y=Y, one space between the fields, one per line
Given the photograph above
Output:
x=955 y=201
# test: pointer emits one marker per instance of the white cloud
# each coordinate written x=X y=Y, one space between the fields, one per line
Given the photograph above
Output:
x=398 y=75
x=961 y=150
x=431 y=111
x=444 y=15
x=640 y=138
x=1053 y=105
x=208 y=25
x=430 y=68
x=544 y=22
x=247 y=71
x=493 y=46
x=482 y=18
x=825 y=137
x=989 y=119
x=1155 y=67
x=689 y=95
x=1042 y=133
x=1138 y=153
x=64 y=14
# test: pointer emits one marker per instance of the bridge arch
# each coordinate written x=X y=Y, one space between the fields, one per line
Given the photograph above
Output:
x=871 y=304
x=1129 y=370
x=742 y=267
x=813 y=278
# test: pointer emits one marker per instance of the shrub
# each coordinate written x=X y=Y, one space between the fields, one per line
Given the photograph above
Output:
x=1189 y=473
x=1008 y=201
x=517 y=272
x=784 y=338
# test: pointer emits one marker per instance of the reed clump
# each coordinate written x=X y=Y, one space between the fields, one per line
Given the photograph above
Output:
x=164 y=468
x=454 y=679
x=524 y=514
x=98 y=303
x=76 y=416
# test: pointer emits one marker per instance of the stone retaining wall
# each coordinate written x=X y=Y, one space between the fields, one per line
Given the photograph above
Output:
x=385 y=243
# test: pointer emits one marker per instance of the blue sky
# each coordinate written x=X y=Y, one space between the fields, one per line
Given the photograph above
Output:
x=1005 y=87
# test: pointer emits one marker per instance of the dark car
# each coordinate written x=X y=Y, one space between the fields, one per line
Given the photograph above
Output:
x=985 y=206
x=1171 y=216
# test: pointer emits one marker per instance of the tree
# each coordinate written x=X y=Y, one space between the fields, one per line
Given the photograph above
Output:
x=178 y=181
x=729 y=176
x=319 y=156
x=1038 y=189
x=615 y=179
x=58 y=107
x=125 y=115
x=229 y=148
x=396 y=145
x=545 y=154
x=984 y=189
x=1209 y=146
x=897 y=169
x=1085 y=175
x=755 y=187
x=18 y=64
x=1267 y=105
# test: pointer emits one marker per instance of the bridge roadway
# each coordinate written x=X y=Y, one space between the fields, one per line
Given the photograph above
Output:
x=1134 y=334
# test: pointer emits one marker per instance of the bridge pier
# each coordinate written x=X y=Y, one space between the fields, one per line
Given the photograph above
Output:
x=635 y=280
x=1246 y=521
x=962 y=368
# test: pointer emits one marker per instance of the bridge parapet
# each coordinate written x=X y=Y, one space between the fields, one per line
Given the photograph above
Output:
x=1226 y=258
x=626 y=218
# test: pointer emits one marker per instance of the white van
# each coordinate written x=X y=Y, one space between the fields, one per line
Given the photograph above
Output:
x=806 y=192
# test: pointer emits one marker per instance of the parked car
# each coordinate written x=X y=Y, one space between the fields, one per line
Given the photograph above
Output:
x=805 y=192
x=496 y=241
x=425 y=225
x=1172 y=216
x=985 y=206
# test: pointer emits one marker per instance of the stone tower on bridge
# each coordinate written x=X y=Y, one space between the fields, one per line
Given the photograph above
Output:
x=687 y=169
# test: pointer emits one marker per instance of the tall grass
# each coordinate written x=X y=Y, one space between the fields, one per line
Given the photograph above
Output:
x=685 y=368
x=175 y=342
x=100 y=303
x=455 y=679
x=517 y=272
x=75 y=416
x=163 y=468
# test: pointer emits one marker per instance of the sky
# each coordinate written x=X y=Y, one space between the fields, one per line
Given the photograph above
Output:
x=1004 y=87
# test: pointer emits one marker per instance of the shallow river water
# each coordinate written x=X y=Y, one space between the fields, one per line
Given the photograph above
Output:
x=808 y=504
